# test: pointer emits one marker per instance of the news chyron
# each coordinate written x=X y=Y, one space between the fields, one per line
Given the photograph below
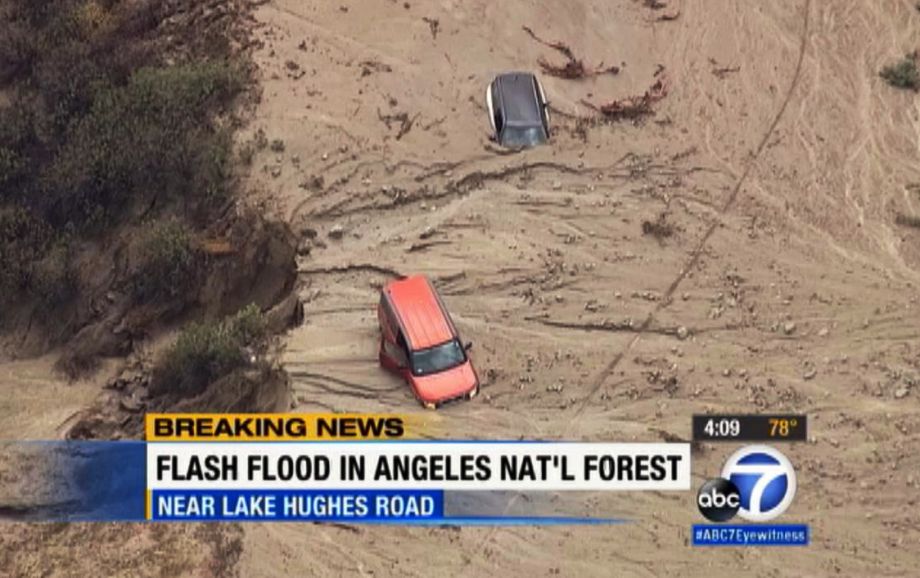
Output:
x=384 y=469
x=756 y=484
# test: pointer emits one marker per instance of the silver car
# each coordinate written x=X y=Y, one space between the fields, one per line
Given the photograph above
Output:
x=518 y=110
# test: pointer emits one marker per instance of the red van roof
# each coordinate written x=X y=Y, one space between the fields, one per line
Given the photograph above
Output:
x=419 y=311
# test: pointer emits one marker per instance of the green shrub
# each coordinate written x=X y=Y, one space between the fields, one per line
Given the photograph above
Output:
x=149 y=140
x=205 y=352
x=167 y=262
x=903 y=74
x=99 y=122
x=23 y=241
x=111 y=110
x=16 y=139
x=53 y=281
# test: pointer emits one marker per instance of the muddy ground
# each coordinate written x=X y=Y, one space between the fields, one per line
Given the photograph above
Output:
x=776 y=165
x=778 y=159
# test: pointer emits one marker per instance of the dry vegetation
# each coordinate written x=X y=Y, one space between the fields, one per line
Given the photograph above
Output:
x=903 y=73
x=574 y=67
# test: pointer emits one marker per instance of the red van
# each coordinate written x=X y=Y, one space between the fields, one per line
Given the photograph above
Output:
x=418 y=341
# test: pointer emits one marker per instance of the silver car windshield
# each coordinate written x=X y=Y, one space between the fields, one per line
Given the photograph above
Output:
x=520 y=136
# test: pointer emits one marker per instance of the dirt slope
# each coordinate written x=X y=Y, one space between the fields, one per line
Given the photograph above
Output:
x=780 y=160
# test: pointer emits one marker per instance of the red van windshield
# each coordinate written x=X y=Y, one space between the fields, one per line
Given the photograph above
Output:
x=438 y=358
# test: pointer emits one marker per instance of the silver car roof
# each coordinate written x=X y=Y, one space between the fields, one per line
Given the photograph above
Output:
x=518 y=98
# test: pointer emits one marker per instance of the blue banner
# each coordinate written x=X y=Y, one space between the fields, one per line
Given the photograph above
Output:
x=85 y=481
x=297 y=505
x=73 y=481
x=751 y=535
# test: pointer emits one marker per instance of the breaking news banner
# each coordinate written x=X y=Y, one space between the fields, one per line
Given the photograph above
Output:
x=327 y=467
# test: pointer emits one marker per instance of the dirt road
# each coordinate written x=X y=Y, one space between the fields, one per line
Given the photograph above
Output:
x=779 y=160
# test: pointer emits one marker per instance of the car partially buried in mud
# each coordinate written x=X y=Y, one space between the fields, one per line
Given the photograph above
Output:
x=518 y=111
x=419 y=342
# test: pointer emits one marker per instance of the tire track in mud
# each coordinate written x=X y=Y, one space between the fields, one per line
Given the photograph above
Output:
x=704 y=240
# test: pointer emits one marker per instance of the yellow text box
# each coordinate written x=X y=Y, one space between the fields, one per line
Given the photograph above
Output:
x=200 y=427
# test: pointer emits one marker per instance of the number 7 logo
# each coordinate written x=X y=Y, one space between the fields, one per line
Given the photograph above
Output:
x=765 y=480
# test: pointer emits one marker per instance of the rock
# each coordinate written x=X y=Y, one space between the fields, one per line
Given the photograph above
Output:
x=428 y=232
x=810 y=373
x=313 y=183
x=823 y=332
x=682 y=333
x=130 y=404
x=286 y=314
x=557 y=185
x=901 y=393
x=789 y=327
x=337 y=232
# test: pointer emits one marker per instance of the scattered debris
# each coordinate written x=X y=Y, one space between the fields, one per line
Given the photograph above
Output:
x=633 y=107
x=721 y=72
x=369 y=67
x=660 y=228
x=434 y=25
x=403 y=118
x=294 y=71
x=414 y=247
x=313 y=183
x=337 y=232
x=574 y=68
x=661 y=5
x=907 y=221
x=904 y=73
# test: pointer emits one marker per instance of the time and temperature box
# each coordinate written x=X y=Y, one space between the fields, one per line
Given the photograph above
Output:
x=750 y=428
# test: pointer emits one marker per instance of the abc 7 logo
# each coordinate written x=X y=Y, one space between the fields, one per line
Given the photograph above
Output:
x=758 y=483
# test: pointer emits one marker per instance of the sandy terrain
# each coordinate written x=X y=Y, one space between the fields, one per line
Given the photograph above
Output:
x=779 y=158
